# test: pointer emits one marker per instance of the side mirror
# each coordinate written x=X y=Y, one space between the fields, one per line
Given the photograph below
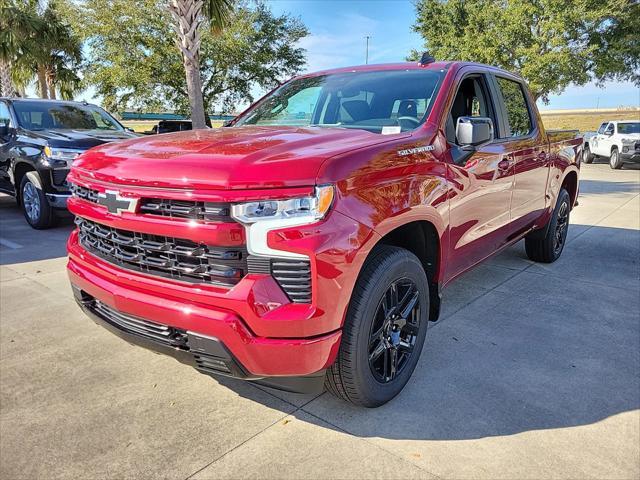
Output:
x=4 y=130
x=474 y=132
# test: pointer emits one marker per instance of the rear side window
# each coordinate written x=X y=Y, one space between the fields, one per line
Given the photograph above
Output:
x=515 y=102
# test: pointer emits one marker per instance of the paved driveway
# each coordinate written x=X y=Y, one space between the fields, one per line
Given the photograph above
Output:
x=533 y=371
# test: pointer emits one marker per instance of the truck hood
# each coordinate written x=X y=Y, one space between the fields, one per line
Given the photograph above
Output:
x=224 y=158
x=77 y=139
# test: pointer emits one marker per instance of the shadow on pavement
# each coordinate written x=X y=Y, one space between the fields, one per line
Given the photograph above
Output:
x=598 y=187
x=550 y=348
x=20 y=243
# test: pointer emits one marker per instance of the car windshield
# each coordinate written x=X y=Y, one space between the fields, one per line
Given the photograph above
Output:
x=380 y=102
x=38 y=115
x=631 y=127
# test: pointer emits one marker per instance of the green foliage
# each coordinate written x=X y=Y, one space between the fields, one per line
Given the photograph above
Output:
x=134 y=63
x=550 y=43
x=34 y=36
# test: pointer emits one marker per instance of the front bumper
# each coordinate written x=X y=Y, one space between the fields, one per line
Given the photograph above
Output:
x=206 y=354
x=267 y=338
x=58 y=200
x=632 y=156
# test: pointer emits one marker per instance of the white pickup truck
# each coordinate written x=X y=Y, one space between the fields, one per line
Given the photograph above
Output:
x=619 y=141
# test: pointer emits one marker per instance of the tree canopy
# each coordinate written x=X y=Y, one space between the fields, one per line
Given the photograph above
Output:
x=132 y=61
x=550 y=43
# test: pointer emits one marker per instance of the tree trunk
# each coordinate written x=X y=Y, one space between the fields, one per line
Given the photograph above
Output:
x=6 y=85
x=51 y=83
x=187 y=16
x=42 y=82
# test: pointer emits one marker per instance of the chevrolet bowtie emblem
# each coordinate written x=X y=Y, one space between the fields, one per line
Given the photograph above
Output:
x=116 y=203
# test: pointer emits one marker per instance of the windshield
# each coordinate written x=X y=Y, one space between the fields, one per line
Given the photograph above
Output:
x=380 y=102
x=39 y=115
x=629 y=127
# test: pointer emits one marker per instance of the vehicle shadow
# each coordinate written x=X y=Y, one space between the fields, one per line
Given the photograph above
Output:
x=538 y=351
x=19 y=243
x=626 y=166
x=598 y=187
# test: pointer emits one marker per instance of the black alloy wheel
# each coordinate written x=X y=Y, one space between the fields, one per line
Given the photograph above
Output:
x=394 y=330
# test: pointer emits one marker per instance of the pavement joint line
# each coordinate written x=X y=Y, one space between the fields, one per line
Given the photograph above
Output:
x=486 y=292
x=10 y=244
x=365 y=439
x=598 y=222
x=221 y=456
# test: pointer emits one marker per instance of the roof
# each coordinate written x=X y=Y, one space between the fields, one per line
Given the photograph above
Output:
x=43 y=100
x=438 y=65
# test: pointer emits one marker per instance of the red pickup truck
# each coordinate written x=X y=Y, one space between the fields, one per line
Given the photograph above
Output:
x=308 y=243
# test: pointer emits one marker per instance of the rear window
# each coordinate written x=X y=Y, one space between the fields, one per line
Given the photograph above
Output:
x=515 y=102
x=631 y=127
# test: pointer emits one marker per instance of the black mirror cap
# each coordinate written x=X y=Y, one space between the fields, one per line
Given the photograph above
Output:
x=4 y=130
x=474 y=131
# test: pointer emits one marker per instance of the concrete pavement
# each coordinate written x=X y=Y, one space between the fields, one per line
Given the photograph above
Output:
x=533 y=372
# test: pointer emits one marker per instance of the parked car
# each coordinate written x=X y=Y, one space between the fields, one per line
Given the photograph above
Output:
x=309 y=242
x=38 y=141
x=169 y=126
x=619 y=141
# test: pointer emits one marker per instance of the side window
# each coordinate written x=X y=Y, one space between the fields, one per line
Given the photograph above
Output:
x=5 y=117
x=471 y=100
x=515 y=102
x=602 y=128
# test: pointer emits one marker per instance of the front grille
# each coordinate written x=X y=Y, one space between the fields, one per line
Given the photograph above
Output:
x=637 y=147
x=293 y=275
x=184 y=209
x=59 y=176
x=175 y=258
x=84 y=193
x=217 y=212
x=155 y=331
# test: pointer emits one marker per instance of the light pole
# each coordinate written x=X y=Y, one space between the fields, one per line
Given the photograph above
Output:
x=366 y=52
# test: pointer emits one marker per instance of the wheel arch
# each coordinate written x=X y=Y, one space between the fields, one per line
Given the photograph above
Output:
x=420 y=237
x=570 y=184
x=20 y=169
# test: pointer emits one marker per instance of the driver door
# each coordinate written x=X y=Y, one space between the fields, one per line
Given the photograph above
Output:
x=481 y=184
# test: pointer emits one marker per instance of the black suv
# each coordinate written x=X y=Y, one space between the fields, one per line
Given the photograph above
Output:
x=38 y=141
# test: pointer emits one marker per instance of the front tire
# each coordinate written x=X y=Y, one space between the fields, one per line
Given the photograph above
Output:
x=384 y=330
x=615 y=162
x=587 y=156
x=35 y=205
x=548 y=249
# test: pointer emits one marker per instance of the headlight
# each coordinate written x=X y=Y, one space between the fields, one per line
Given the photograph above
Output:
x=303 y=210
x=59 y=157
x=260 y=218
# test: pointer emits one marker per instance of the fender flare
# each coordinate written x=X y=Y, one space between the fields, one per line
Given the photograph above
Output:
x=34 y=178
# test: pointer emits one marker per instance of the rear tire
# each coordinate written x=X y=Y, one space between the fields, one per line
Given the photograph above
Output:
x=615 y=161
x=548 y=249
x=384 y=330
x=587 y=156
x=35 y=205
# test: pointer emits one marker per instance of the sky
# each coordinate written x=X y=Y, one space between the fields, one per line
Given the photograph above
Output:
x=337 y=39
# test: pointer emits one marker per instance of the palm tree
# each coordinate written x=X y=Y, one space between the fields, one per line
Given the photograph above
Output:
x=18 y=30
x=189 y=15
